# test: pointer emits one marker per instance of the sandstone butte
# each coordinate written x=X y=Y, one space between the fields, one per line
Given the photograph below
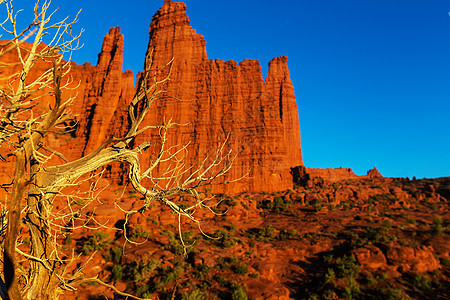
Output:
x=225 y=98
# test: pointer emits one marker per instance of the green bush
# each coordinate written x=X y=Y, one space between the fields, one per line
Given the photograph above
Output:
x=144 y=291
x=139 y=232
x=225 y=240
x=278 y=205
x=68 y=240
x=266 y=234
x=116 y=254
x=222 y=281
x=238 y=292
x=97 y=241
x=240 y=269
x=391 y=293
x=445 y=261
x=330 y=277
x=202 y=272
x=175 y=245
x=422 y=283
x=194 y=295
x=226 y=262
x=347 y=267
x=292 y=234
x=117 y=272
x=143 y=269
x=351 y=290
x=437 y=225
x=171 y=274
x=317 y=204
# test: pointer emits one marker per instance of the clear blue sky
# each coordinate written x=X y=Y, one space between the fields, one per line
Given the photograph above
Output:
x=372 y=77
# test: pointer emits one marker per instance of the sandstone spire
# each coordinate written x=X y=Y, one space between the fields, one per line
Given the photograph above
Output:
x=107 y=92
x=229 y=98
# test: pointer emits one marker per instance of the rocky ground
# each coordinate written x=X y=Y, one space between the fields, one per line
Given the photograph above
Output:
x=376 y=238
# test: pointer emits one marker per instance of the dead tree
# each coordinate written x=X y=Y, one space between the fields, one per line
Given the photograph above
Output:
x=24 y=126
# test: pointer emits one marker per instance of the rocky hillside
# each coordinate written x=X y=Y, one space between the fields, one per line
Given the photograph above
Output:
x=367 y=238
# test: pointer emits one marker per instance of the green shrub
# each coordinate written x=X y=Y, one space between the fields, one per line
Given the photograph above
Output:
x=347 y=267
x=97 y=241
x=144 y=291
x=371 y=281
x=139 y=232
x=317 y=204
x=351 y=290
x=330 y=277
x=231 y=202
x=117 y=272
x=391 y=293
x=238 y=292
x=143 y=269
x=387 y=224
x=411 y=221
x=202 y=272
x=116 y=254
x=171 y=274
x=225 y=240
x=422 y=283
x=445 y=261
x=240 y=269
x=437 y=225
x=292 y=234
x=266 y=234
x=175 y=245
x=226 y=262
x=194 y=295
x=68 y=240
x=222 y=281
x=278 y=205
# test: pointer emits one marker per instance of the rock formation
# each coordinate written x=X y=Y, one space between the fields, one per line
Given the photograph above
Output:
x=106 y=95
x=374 y=173
x=223 y=99
x=309 y=176
x=331 y=174
x=261 y=117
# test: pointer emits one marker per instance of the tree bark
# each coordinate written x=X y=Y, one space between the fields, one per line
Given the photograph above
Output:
x=44 y=282
x=14 y=219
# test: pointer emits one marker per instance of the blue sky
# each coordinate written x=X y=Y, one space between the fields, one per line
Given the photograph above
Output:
x=372 y=77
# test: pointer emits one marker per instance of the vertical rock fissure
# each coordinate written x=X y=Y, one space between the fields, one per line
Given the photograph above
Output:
x=90 y=118
x=280 y=101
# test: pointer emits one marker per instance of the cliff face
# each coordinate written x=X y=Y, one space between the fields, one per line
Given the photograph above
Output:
x=106 y=95
x=221 y=98
x=100 y=95
x=260 y=116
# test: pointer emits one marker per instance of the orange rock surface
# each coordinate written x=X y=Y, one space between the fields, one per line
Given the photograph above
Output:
x=260 y=116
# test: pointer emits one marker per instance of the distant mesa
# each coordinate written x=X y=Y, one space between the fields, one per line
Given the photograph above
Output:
x=309 y=176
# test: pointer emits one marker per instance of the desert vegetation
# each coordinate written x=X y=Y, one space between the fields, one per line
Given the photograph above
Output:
x=352 y=249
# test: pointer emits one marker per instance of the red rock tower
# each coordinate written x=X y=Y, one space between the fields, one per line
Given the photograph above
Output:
x=261 y=116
